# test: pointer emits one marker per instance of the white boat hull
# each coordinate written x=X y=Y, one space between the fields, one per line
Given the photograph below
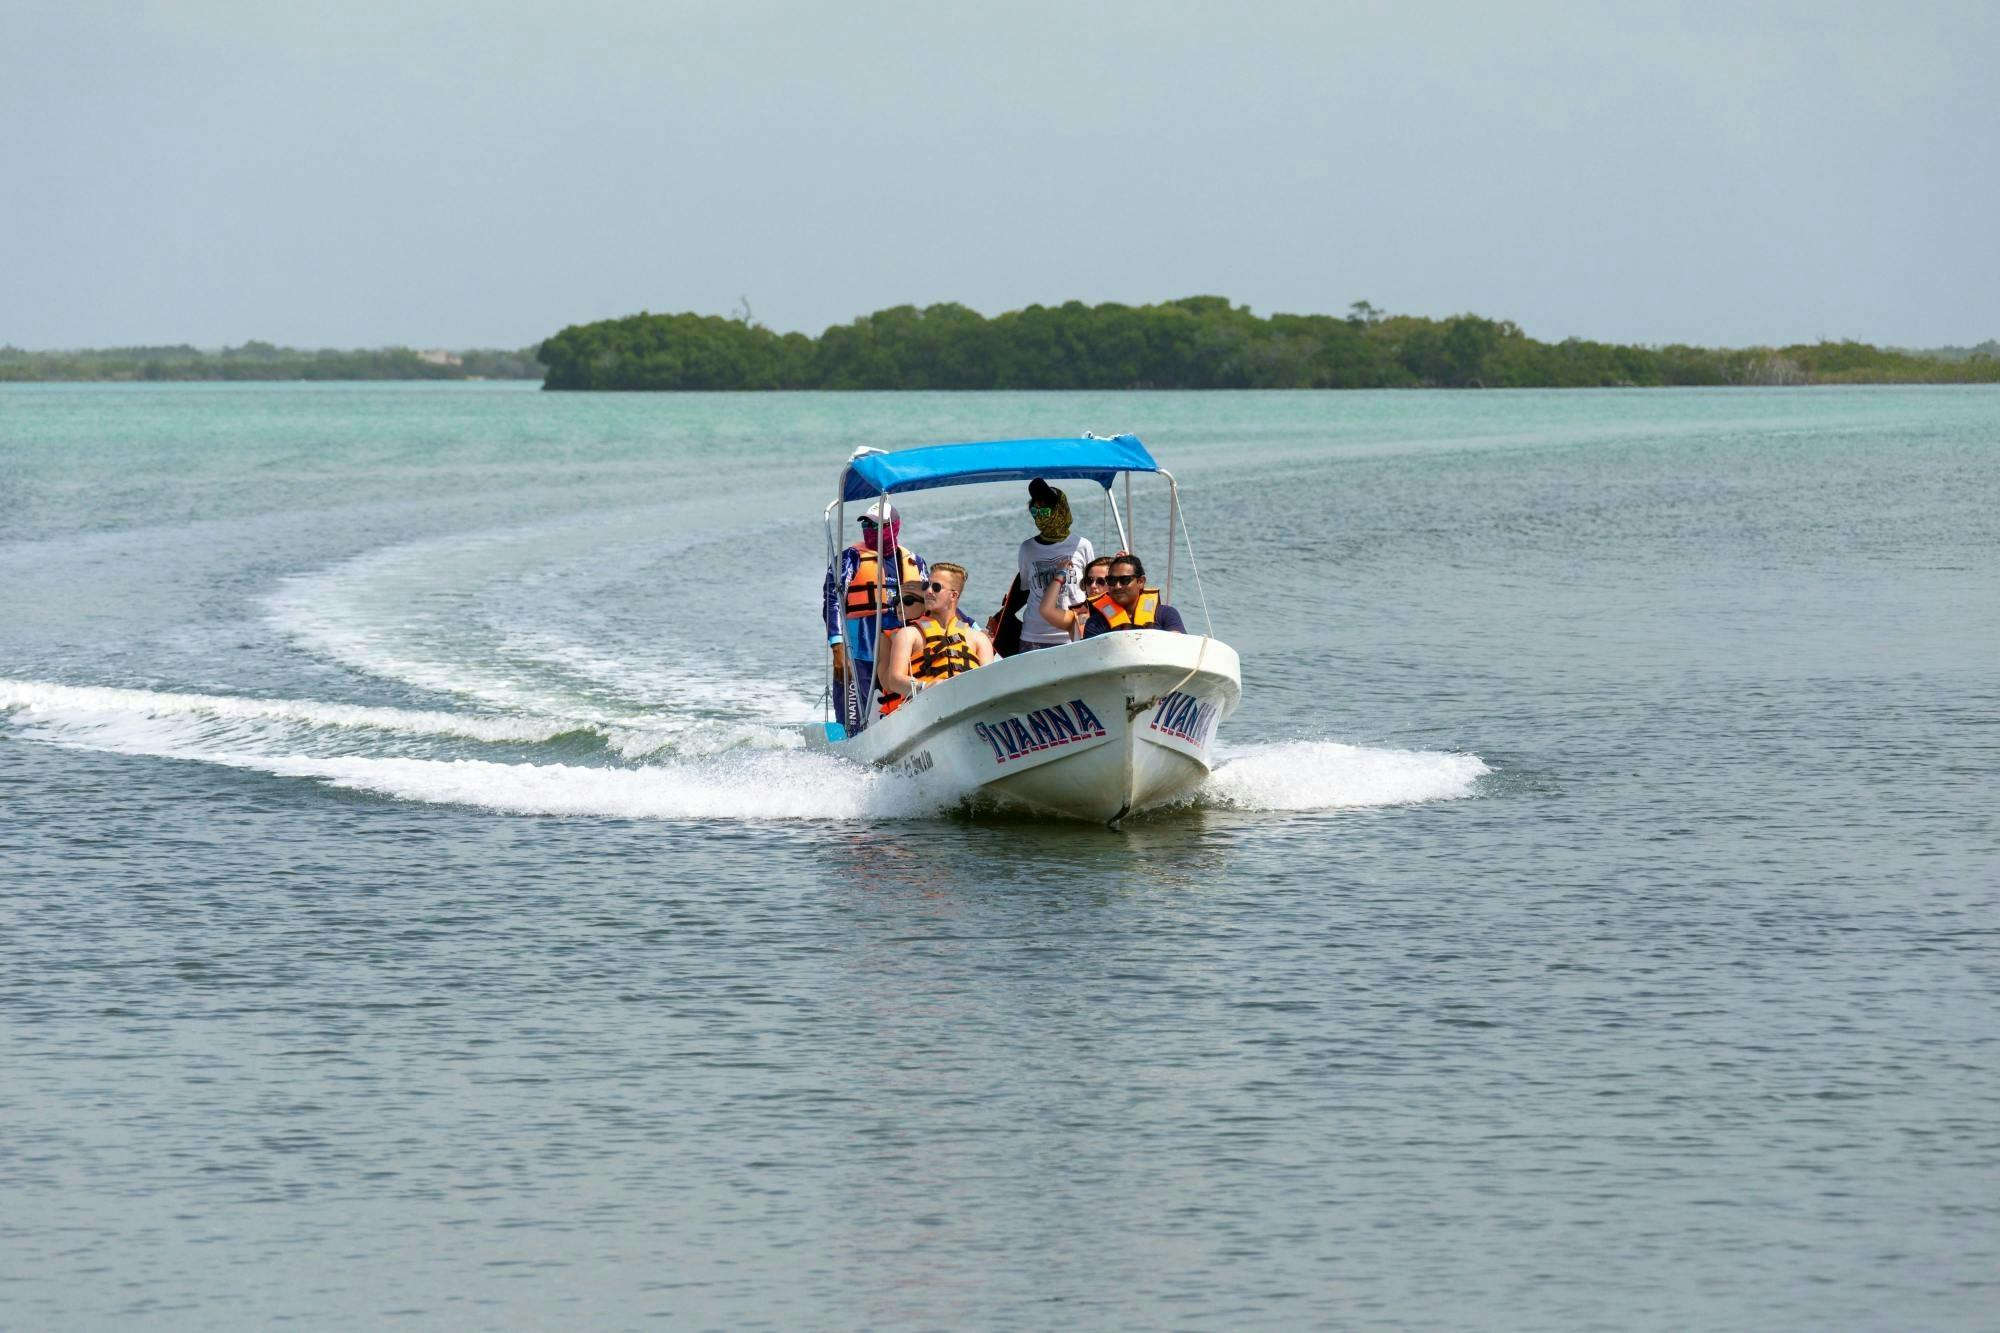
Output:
x=1094 y=730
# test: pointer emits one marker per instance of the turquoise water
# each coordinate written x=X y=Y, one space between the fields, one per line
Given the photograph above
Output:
x=414 y=904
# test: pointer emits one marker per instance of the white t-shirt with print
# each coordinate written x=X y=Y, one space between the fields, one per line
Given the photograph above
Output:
x=1039 y=565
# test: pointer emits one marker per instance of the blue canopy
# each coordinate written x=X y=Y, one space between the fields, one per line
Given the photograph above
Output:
x=1090 y=459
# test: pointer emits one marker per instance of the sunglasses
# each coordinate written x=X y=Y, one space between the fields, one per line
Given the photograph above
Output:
x=1121 y=580
x=1042 y=511
x=913 y=599
x=940 y=587
x=1092 y=579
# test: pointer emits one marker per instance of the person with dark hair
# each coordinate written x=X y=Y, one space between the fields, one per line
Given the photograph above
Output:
x=873 y=584
x=1072 y=618
x=1127 y=603
x=1053 y=550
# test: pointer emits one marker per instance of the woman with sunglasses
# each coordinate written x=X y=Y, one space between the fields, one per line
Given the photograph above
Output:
x=1072 y=618
x=1129 y=604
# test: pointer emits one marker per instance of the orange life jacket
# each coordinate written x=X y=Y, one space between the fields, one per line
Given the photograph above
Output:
x=864 y=590
x=1142 y=615
x=945 y=653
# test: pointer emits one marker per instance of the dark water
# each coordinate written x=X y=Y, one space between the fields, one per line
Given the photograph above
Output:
x=413 y=905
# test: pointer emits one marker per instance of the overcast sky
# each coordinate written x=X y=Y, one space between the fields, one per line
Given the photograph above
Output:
x=348 y=173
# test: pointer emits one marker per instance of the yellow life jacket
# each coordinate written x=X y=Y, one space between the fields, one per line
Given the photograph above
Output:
x=1141 y=616
x=945 y=653
x=864 y=590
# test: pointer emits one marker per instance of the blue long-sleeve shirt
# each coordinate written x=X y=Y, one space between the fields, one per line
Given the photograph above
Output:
x=864 y=631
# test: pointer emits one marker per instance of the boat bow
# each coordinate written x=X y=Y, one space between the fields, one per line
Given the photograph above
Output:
x=1092 y=730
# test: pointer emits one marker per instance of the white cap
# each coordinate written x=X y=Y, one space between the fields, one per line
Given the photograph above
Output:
x=875 y=513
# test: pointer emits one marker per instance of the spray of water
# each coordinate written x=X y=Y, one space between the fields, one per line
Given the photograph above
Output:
x=764 y=777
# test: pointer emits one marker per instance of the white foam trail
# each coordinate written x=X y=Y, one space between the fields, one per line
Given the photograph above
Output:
x=747 y=776
x=88 y=704
x=329 y=612
x=715 y=681
x=385 y=613
x=157 y=722
x=768 y=786
x=745 y=785
x=266 y=736
x=699 y=738
x=641 y=683
x=1326 y=775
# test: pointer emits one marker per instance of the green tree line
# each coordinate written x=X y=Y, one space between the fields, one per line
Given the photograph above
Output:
x=1198 y=342
x=263 y=361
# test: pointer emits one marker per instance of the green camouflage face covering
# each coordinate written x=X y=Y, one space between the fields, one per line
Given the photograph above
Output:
x=1051 y=522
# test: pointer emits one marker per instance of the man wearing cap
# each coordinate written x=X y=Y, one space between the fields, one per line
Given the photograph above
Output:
x=870 y=582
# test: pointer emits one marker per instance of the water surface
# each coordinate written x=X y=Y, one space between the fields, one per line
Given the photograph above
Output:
x=415 y=903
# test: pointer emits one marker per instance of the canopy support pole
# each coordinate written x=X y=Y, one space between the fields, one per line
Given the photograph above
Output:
x=836 y=515
x=1175 y=489
x=884 y=555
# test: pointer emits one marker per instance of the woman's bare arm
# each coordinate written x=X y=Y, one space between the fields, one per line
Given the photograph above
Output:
x=1053 y=611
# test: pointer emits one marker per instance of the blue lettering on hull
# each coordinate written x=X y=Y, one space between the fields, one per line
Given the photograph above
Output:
x=1185 y=717
x=1014 y=738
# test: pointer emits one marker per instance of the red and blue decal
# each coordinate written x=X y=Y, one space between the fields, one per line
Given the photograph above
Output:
x=1185 y=717
x=1043 y=729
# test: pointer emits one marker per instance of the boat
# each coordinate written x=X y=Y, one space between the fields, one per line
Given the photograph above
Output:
x=1096 y=730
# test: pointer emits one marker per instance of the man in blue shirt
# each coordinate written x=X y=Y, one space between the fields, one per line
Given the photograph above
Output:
x=1129 y=603
x=870 y=581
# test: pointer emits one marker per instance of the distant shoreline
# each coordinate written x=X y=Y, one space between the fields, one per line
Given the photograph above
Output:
x=260 y=362
x=1197 y=343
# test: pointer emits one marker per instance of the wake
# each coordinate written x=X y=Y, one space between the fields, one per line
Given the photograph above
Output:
x=556 y=765
x=1327 y=775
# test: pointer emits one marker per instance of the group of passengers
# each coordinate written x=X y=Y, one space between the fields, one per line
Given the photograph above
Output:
x=903 y=630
